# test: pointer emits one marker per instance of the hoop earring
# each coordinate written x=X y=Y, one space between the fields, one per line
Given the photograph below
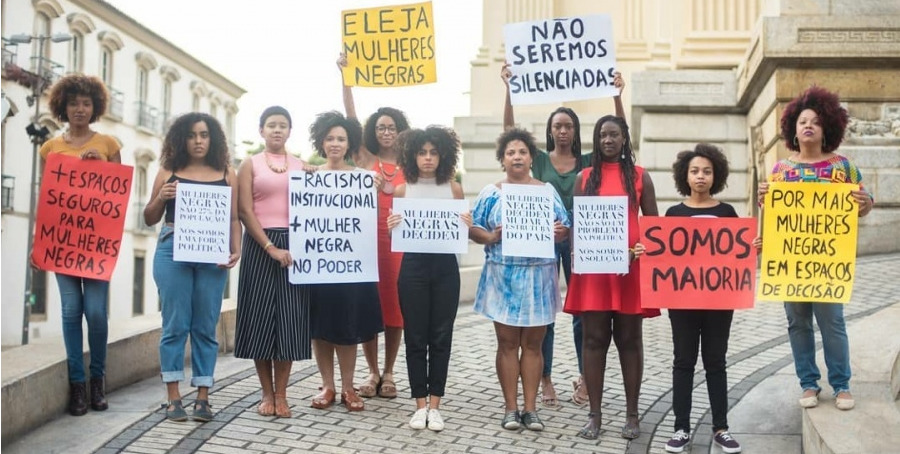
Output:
x=796 y=144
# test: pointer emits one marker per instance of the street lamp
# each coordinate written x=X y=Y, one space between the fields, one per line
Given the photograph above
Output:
x=38 y=135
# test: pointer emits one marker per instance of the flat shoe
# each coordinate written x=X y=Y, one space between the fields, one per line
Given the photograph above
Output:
x=844 y=403
x=590 y=431
x=387 y=389
x=510 y=420
x=177 y=412
x=369 y=388
x=352 y=402
x=202 y=411
x=323 y=400
x=810 y=401
x=630 y=431
x=579 y=395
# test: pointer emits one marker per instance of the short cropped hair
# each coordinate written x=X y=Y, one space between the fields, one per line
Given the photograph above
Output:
x=275 y=110
x=704 y=150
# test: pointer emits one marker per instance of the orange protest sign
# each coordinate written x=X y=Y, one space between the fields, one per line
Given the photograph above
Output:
x=80 y=216
x=698 y=263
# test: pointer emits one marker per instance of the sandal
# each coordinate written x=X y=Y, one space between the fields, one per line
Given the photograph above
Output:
x=177 y=412
x=282 y=408
x=352 y=402
x=202 y=411
x=550 y=400
x=591 y=431
x=387 y=389
x=630 y=431
x=266 y=406
x=369 y=388
x=324 y=399
x=579 y=394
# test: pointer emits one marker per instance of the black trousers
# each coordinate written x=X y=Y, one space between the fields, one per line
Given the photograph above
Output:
x=428 y=286
x=692 y=329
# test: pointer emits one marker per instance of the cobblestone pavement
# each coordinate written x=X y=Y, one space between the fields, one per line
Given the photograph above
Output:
x=473 y=405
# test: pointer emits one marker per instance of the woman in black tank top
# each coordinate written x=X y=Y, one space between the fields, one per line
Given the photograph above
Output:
x=194 y=152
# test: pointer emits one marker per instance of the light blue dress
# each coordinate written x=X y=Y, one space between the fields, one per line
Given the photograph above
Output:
x=515 y=291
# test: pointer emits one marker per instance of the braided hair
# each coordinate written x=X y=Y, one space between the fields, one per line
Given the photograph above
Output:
x=625 y=160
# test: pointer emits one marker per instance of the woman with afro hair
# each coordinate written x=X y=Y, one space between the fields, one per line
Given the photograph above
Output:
x=81 y=100
x=812 y=126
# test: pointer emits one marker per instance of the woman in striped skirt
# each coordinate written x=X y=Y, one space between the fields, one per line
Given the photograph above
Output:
x=272 y=314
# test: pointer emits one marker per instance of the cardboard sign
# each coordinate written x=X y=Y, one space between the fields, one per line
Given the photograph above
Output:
x=389 y=46
x=558 y=60
x=202 y=223
x=698 y=262
x=333 y=227
x=809 y=242
x=600 y=236
x=430 y=226
x=81 y=216
x=527 y=220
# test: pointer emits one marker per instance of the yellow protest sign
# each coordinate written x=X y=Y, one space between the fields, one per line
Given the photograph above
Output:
x=809 y=242
x=389 y=46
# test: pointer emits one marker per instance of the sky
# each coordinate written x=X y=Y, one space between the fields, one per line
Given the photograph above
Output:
x=284 y=52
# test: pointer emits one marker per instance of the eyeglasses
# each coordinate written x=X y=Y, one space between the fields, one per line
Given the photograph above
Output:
x=386 y=129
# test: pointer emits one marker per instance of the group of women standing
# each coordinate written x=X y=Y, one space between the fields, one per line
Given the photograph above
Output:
x=417 y=294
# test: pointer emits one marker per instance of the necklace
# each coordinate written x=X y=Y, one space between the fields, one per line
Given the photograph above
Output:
x=280 y=169
x=388 y=187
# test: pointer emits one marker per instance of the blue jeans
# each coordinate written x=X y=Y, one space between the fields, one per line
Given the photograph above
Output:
x=191 y=298
x=84 y=298
x=835 y=345
x=564 y=261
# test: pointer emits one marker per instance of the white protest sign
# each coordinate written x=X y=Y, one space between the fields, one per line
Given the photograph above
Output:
x=202 y=223
x=333 y=227
x=430 y=226
x=527 y=220
x=564 y=59
x=600 y=235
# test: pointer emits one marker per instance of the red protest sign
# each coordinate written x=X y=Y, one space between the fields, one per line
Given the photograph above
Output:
x=80 y=216
x=698 y=263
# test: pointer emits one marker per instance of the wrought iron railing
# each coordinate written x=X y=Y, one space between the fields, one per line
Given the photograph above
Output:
x=9 y=192
x=116 y=103
x=147 y=116
x=140 y=225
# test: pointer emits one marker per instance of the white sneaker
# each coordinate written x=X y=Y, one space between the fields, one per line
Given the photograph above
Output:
x=419 y=419
x=435 y=422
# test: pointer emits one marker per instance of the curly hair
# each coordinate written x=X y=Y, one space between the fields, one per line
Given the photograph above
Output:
x=515 y=134
x=576 y=138
x=369 y=137
x=325 y=121
x=704 y=150
x=629 y=173
x=443 y=139
x=73 y=85
x=175 y=155
x=832 y=117
x=275 y=110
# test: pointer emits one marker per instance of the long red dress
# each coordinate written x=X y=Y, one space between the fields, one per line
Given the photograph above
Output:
x=388 y=262
x=611 y=292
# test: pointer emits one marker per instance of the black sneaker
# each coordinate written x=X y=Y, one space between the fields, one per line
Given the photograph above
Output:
x=728 y=444
x=678 y=441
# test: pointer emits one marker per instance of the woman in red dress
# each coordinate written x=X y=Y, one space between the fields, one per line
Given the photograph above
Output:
x=610 y=304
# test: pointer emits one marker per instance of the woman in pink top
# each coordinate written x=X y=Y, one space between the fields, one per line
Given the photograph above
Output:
x=272 y=314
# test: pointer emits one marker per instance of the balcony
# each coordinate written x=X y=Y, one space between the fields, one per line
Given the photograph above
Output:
x=10 y=51
x=116 y=104
x=9 y=192
x=140 y=226
x=48 y=69
x=148 y=118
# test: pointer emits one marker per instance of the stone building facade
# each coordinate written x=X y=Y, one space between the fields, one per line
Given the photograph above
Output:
x=150 y=82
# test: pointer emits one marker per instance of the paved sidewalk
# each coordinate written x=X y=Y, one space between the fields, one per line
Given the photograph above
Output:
x=762 y=390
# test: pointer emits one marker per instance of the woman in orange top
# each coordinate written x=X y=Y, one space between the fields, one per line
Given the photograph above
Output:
x=81 y=100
